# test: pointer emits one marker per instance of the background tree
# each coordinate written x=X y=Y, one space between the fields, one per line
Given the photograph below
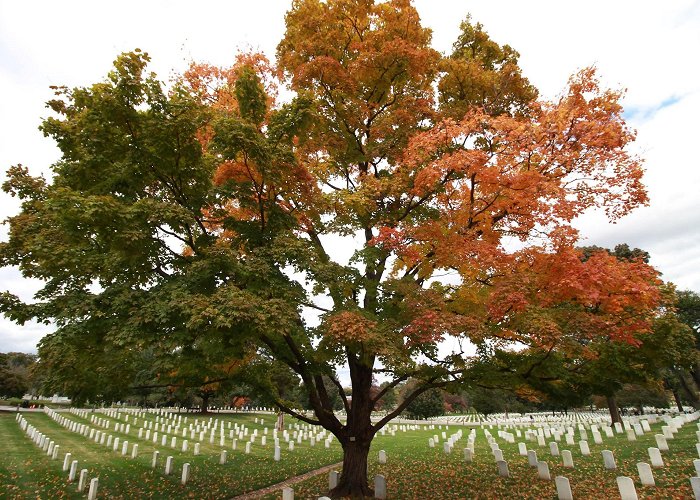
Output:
x=201 y=219
x=607 y=365
x=389 y=397
x=639 y=396
x=688 y=309
x=83 y=368
x=429 y=404
x=16 y=377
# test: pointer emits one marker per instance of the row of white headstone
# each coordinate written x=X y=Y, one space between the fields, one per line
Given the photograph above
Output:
x=625 y=484
x=51 y=448
x=539 y=434
x=100 y=437
x=533 y=418
x=72 y=465
x=308 y=433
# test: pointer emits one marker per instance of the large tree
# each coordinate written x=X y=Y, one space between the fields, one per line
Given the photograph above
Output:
x=209 y=219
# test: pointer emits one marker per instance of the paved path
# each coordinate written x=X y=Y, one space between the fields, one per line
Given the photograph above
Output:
x=293 y=480
x=23 y=410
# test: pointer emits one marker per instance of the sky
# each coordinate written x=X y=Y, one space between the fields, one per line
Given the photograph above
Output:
x=650 y=50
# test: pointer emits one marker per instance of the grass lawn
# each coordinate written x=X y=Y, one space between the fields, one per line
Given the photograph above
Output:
x=26 y=471
x=413 y=471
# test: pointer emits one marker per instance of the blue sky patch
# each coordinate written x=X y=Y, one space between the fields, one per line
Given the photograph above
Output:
x=643 y=113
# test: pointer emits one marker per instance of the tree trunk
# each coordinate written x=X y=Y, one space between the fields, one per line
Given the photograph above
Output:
x=357 y=435
x=205 y=403
x=614 y=410
x=695 y=373
x=689 y=392
x=677 y=398
x=280 y=422
x=353 y=480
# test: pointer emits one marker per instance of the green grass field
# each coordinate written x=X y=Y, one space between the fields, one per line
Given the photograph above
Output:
x=413 y=470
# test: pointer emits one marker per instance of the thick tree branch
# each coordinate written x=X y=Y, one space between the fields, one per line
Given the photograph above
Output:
x=389 y=386
x=296 y=414
x=404 y=404
x=337 y=383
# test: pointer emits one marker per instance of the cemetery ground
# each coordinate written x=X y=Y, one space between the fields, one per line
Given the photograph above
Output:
x=413 y=469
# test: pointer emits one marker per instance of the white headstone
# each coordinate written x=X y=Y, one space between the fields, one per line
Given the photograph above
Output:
x=655 y=457
x=585 y=450
x=522 y=449
x=222 y=457
x=609 y=459
x=287 y=493
x=626 y=487
x=667 y=431
x=631 y=435
x=532 y=458
x=382 y=456
x=168 y=465
x=661 y=442
x=554 y=449
x=185 y=473
x=563 y=488
x=503 y=468
x=333 y=478
x=468 y=454
x=646 y=476
x=567 y=459
x=82 y=480
x=73 y=471
x=543 y=471
x=92 y=492
x=154 y=460
x=380 y=487
x=695 y=484
x=196 y=448
x=66 y=462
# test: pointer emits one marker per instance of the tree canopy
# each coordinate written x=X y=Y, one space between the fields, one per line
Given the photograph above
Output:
x=202 y=221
